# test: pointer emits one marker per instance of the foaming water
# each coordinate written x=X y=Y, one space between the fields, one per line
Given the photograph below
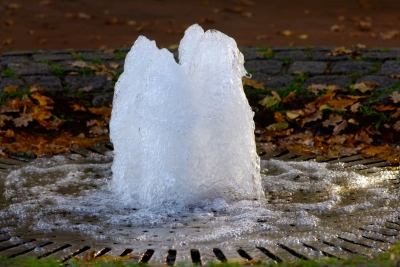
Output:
x=63 y=195
x=184 y=132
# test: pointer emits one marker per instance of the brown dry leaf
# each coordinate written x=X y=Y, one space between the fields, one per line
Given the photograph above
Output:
x=40 y=113
x=337 y=139
x=252 y=83
x=91 y=123
x=77 y=107
x=10 y=89
x=396 y=114
x=79 y=64
x=4 y=118
x=375 y=150
x=363 y=137
x=348 y=151
x=340 y=51
x=290 y=97
x=36 y=88
x=43 y=100
x=286 y=33
x=97 y=130
x=394 y=76
x=267 y=147
x=52 y=125
x=315 y=88
x=337 y=27
x=395 y=96
x=23 y=120
x=114 y=65
x=276 y=96
x=279 y=117
x=354 y=107
x=332 y=121
x=389 y=34
x=323 y=99
x=103 y=111
x=396 y=126
x=364 y=86
x=340 y=127
x=9 y=133
x=383 y=108
x=340 y=103
x=315 y=116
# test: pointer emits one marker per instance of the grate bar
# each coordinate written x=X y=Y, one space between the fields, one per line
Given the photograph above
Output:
x=17 y=244
x=342 y=248
x=102 y=252
x=244 y=254
x=357 y=243
x=293 y=252
x=269 y=254
x=54 y=251
x=171 y=257
x=326 y=254
x=6 y=239
x=73 y=254
x=30 y=249
x=377 y=232
x=219 y=254
x=125 y=252
x=377 y=239
x=146 y=256
x=195 y=255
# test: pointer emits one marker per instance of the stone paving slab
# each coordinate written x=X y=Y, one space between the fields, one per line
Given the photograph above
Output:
x=276 y=67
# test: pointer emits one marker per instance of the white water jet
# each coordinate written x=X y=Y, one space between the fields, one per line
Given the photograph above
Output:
x=184 y=132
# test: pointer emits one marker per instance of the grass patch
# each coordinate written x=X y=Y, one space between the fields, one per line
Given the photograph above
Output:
x=57 y=70
x=85 y=71
x=77 y=56
x=120 y=55
x=10 y=73
x=96 y=61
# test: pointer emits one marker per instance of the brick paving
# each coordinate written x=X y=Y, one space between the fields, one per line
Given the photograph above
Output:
x=276 y=67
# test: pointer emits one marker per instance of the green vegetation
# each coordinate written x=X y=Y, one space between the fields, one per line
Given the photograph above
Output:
x=57 y=70
x=376 y=67
x=85 y=71
x=77 y=56
x=12 y=95
x=120 y=55
x=10 y=73
x=286 y=60
x=385 y=49
x=96 y=61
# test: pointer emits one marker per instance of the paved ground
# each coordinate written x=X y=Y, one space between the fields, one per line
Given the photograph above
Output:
x=276 y=68
x=50 y=24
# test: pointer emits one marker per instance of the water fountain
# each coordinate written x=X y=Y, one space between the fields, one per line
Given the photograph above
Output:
x=186 y=183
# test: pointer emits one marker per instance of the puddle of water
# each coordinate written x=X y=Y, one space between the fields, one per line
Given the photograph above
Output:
x=60 y=195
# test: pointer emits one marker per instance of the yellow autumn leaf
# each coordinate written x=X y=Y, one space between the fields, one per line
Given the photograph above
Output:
x=252 y=83
x=10 y=89
x=268 y=101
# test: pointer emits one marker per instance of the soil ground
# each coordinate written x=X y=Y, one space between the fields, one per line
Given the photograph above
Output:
x=89 y=24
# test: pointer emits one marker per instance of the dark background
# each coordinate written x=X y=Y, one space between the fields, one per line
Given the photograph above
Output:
x=94 y=24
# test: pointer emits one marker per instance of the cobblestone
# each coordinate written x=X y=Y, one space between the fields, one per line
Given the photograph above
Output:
x=264 y=66
x=352 y=67
x=25 y=68
x=308 y=67
x=49 y=83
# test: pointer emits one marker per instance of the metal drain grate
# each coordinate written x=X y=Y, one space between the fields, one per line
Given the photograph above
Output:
x=364 y=240
x=334 y=247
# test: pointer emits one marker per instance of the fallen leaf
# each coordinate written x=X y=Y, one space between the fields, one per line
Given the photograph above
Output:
x=364 y=86
x=363 y=137
x=40 y=113
x=315 y=116
x=278 y=126
x=286 y=33
x=113 y=65
x=394 y=76
x=10 y=89
x=340 y=51
x=337 y=27
x=332 y=121
x=9 y=133
x=96 y=130
x=340 y=103
x=340 y=127
x=36 y=88
x=43 y=100
x=292 y=114
x=276 y=95
x=4 y=118
x=79 y=64
x=252 y=83
x=389 y=34
x=353 y=121
x=383 y=108
x=268 y=101
x=395 y=96
x=86 y=89
x=77 y=107
x=290 y=97
x=396 y=114
x=396 y=126
x=104 y=111
x=82 y=15
x=279 y=117
x=354 y=107
x=91 y=123
x=303 y=36
x=23 y=120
